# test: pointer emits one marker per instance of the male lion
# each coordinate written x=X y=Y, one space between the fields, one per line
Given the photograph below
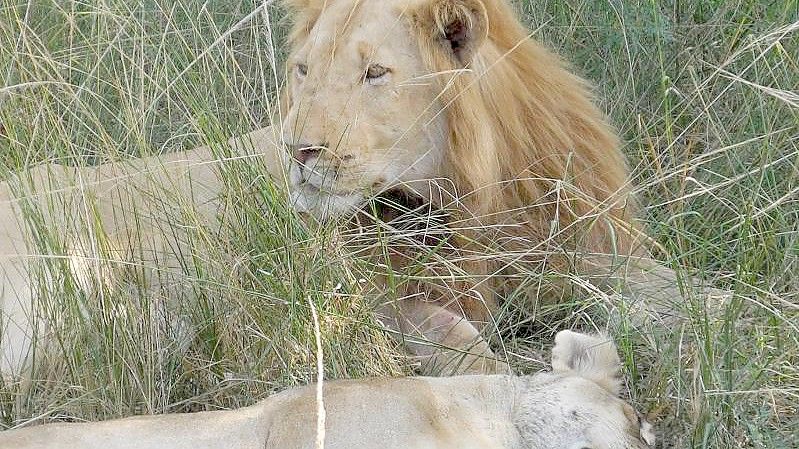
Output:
x=453 y=104
x=440 y=106
x=576 y=406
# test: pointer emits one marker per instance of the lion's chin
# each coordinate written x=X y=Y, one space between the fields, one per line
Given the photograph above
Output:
x=323 y=205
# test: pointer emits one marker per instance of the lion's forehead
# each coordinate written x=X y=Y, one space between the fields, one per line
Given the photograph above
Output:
x=366 y=27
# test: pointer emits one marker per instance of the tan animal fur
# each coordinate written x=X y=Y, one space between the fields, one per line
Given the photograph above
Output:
x=112 y=205
x=454 y=101
x=449 y=99
x=575 y=406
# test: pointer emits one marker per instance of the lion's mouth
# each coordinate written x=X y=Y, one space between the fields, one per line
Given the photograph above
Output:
x=399 y=208
x=409 y=214
x=323 y=203
x=314 y=178
x=397 y=202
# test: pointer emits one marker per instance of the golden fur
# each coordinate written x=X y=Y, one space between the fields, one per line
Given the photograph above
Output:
x=526 y=155
x=469 y=113
x=523 y=127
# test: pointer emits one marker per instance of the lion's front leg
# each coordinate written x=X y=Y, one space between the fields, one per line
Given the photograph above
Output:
x=443 y=342
x=649 y=292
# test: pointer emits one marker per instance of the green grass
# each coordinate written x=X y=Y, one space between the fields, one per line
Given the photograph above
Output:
x=703 y=92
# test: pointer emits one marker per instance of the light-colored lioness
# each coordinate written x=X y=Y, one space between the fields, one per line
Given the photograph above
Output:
x=576 y=406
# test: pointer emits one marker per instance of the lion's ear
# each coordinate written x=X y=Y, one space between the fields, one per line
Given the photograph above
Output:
x=458 y=27
x=305 y=13
x=593 y=357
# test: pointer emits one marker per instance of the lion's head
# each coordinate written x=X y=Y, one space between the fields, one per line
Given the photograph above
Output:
x=363 y=113
x=403 y=92
x=586 y=411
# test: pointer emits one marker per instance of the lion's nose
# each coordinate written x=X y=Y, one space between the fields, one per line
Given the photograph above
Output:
x=304 y=151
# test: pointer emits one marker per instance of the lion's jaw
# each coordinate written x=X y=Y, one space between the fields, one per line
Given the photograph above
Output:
x=363 y=106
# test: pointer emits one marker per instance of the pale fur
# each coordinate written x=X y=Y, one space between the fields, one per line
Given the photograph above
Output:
x=525 y=143
x=101 y=218
x=105 y=218
x=548 y=410
x=501 y=133
x=591 y=356
x=477 y=117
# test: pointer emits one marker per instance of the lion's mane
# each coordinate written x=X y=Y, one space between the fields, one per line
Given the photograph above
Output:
x=527 y=142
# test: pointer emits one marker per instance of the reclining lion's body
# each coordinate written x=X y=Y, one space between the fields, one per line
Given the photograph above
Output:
x=128 y=213
x=530 y=167
x=73 y=210
x=416 y=413
x=576 y=406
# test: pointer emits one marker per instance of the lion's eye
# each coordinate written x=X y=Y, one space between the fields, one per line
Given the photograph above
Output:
x=375 y=73
x=302 y=69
